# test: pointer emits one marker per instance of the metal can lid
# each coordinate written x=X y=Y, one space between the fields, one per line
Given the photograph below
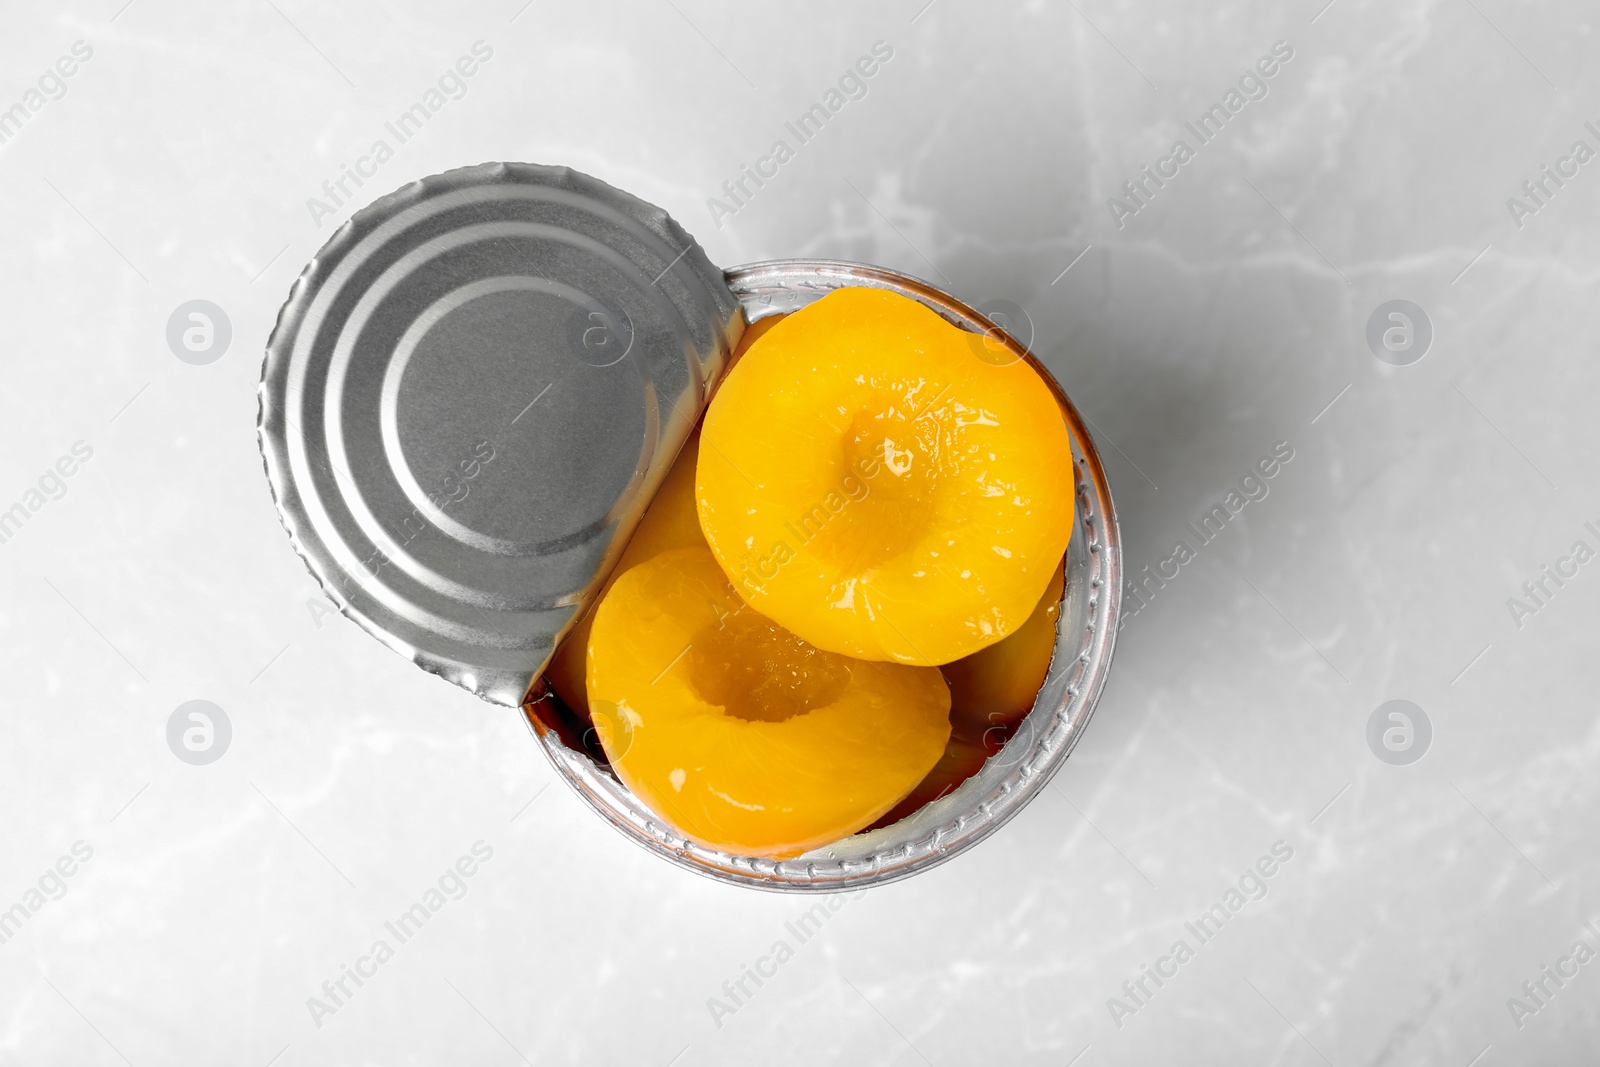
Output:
x=470 y=396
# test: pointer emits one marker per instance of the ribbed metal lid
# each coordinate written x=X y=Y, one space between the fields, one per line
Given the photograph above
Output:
x=470 y=396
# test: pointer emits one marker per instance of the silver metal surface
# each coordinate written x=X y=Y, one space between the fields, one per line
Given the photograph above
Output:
x=469 y=398
x=1085 y=635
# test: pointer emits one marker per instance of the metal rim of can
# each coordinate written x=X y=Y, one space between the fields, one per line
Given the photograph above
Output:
x=1085 y=640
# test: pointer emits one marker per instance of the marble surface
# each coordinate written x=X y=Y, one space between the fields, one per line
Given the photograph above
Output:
x=1226 y=315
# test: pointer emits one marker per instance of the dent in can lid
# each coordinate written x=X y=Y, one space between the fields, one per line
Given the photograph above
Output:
x=470 y=396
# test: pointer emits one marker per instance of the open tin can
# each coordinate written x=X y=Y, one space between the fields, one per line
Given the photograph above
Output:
x=426 y=332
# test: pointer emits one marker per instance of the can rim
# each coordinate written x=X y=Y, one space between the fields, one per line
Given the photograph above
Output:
x=980 y=806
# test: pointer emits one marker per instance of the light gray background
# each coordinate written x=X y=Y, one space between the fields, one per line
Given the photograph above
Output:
x=1225 y=317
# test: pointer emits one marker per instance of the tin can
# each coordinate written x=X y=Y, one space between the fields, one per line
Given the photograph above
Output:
x=467 y=402
x=1085 y=636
